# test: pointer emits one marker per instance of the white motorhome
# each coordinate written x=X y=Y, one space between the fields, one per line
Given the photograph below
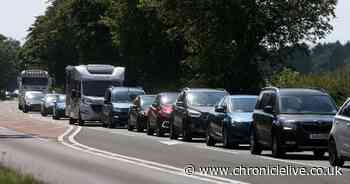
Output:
x=85 y=89
x=32 y=80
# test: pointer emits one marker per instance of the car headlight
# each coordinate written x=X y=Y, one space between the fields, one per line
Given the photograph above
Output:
x=194 y=114
x=289 y=125
x=87 y=101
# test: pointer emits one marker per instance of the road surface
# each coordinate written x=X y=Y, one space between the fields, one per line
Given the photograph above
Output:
x=56 y=152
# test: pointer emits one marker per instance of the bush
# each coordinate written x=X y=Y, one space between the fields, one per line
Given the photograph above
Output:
x=336 y=83
x=10 y=176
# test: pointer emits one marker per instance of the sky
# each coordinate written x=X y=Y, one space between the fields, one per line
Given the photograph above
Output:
x=16 y=16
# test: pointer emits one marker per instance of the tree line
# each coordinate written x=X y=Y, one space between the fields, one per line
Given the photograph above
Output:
x=168 y=44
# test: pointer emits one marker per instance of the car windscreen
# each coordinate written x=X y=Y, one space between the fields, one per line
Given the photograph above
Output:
x=97 y=88
x=168 y=99
x=35 y=96
x=51 y=98
x=125 y=96
x=242 y=104
x=61 y=99
x=204 y=98
x=147 y=101
x=30 y=81
x=307 y=104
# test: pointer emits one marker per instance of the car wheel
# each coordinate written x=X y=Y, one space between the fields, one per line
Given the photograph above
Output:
x=334 y=160
x=255 y=147
x=43 y=112
x=139 y=128
x=209 y=140
x=80 y=121
x=276 y=147
x=186 y=133
x=159 y=132
x=130 y=127
x=72 y=121
x=111 y=123
x=226 y=139
x=173 y=134
x=149 y=129
x=26 y=109
x=319 y=154
x=55 y=116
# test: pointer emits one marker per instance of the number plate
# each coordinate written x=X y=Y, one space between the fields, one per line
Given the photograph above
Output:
x=319 y=136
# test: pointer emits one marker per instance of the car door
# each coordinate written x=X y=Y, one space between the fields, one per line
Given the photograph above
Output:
x=153 y=111
x=220 y=118
x=259 y=117
x=134 y=111
x=180 y=111
x=107 y=106
x=342 y=123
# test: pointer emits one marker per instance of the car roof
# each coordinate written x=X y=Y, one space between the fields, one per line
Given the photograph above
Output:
x=147 y=96
x=126 y=89
x=304 y=91
x=168 y=93
x=242 y=96
x=34 y=92
x=204 y=90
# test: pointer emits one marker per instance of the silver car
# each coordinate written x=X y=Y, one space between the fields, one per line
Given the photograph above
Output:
x=339 y=139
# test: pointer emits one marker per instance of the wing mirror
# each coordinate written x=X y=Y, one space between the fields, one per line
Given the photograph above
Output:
x=220 y=109
x=180 y=104
x=268 y=109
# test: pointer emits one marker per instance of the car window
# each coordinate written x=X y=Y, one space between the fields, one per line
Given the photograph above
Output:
x=242 y=104
x=265 y=100
x=307 y=104
x=345 y=111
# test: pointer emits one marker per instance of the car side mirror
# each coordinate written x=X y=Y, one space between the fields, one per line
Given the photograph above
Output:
x=220 y=109
x=268 y=109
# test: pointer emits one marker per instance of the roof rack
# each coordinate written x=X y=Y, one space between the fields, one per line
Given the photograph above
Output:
x=271 y=88
x=278 y=88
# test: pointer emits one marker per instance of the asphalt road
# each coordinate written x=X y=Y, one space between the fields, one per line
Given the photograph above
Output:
x=58 y=153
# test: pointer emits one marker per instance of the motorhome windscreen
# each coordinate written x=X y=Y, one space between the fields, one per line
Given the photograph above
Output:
x=35 y=81
x=97 y=88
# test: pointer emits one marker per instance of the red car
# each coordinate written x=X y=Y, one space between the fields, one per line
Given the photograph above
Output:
x=159 y=113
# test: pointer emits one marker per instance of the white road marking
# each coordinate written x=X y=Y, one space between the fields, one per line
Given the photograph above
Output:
x=122 y=133
x=135 y=161
x=171 y=142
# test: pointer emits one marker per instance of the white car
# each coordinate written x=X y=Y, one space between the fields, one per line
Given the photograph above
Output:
x=339 y=139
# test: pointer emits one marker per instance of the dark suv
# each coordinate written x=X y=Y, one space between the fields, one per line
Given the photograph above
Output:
x=287 y=119
x=191 y=112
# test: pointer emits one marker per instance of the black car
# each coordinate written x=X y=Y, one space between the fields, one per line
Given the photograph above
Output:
x=292 y=120
x=231 y=121
x=59 y=108
x=138 y=112
x=191 y=112
x=117 y=103
x=159 y=114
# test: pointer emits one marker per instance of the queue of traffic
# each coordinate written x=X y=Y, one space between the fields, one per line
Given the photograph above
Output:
x=278 y=119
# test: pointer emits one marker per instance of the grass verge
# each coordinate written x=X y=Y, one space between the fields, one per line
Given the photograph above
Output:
x=10 y=176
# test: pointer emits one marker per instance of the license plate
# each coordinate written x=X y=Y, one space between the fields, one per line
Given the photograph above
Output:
x=319 y=136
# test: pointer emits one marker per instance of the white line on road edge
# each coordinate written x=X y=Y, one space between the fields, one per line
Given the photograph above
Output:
x=144 y=163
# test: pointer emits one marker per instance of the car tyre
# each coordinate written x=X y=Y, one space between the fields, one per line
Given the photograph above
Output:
x=173 y=134
x=186 y=133
x=43 y=112
x=72 y=121
x=277 y=150
x=159 y=131
x=139 y=128
x=130 y=127
x=209 y=140
x=255 y=147
x=80 y=121
x=26 y=109
x=150 y=131
x=334 y=160
x=226 y=139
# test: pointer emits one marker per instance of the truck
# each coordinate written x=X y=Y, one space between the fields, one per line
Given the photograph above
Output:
x=86 y=86
x=32 y=80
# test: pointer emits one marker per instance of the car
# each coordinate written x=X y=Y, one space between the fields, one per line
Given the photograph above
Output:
x=59 y=108
x=231 y=121
x=32 y=101
x=47 y=104
x=159 y=113
x=292 y=119
x=339 y=138
x=191 y=112
x=117 y=103
x=138 y=115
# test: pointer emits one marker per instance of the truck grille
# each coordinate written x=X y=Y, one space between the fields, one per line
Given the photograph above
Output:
x=97 y=108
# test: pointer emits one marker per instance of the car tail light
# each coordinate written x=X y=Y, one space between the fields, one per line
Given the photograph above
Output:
x=167 y=109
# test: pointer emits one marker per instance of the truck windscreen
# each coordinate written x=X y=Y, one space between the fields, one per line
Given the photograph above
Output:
x=30 y=81
x=97 y=88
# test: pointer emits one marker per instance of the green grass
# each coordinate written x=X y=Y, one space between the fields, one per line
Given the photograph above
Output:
x=10 y=176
